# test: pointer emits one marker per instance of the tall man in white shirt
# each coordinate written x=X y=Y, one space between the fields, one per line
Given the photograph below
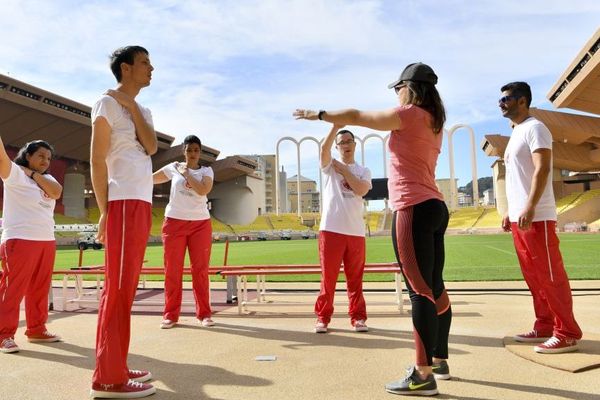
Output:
x=532 y=220
x=342 y=229
x=123 y=139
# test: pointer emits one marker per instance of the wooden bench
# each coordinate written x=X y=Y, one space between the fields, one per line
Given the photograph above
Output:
x=241 y=272
x=92 y=296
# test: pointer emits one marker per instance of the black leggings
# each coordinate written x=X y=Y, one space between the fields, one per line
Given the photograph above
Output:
x=418 y=239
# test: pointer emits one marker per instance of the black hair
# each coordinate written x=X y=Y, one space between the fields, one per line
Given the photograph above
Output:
x=192 y=139
x=124 y=55
x=29 y=149
x=426 y=96
x=341 y=132
x=518 y=89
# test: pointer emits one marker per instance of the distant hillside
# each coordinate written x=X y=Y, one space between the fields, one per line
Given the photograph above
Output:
x=483 y=185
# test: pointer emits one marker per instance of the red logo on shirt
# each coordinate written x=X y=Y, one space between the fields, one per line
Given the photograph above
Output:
x=345 y=185
x=45 y=195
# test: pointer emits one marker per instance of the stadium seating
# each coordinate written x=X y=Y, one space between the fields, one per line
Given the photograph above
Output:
x=580 y=199
x=465 y=218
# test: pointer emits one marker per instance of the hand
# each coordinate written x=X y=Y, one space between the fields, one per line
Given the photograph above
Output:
x=306 y=114
x=340 y=167
x=101 y=229
x=338 y=127
x=506 y=224
x=122 y=98
x=27 y=171
x=183 y=169
x=526 y=218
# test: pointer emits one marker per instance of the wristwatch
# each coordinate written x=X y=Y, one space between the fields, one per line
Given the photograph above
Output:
x=320 y=115
x=31 y=175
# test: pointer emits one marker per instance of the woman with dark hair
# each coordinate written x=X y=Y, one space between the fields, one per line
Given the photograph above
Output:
x=187 y=225
x=420 y=214
x=27 y=246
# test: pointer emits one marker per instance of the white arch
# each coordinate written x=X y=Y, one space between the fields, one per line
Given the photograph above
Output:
x=291 y=139
x=384 y=149
x=450 y=133
x=311 y=138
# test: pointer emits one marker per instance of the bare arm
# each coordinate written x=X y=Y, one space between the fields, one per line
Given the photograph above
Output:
x=385 y=120
x=100 y=146
x=541 y=162
x=359 y=187
x=144 y=132
x=52 y=188
x=201 y=186
x=159 y=177
x=327 y=144
x=5 y=162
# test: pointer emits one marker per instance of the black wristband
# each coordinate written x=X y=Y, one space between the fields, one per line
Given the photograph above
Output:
x=31 y=175
x=320 y=115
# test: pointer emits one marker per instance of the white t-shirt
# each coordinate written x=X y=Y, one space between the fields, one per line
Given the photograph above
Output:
x=342 y=208
x=184 y=202
x=28 y=212
x=129 y=166
x=527 y=137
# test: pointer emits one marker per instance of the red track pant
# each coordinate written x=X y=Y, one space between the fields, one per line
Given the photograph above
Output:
x=196 y=236
x=333 y=249
x=127 y=229
x=26 y=272
x=544 y=272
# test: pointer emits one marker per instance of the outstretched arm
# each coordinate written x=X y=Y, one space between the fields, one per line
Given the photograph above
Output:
x=5 y=162
x=386 y=120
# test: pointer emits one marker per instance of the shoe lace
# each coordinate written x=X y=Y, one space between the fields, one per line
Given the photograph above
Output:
x=553 y=341
x=48 y=334
x=134 y=384
x=136 y=371
x=8 y=342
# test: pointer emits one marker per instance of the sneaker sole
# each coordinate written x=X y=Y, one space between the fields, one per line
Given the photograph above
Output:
x=365 y=329
x=320 y=330
x=444 y=377
x=99 y=394
x=166 y=326
x=9 y=351
x=540 y=339
x=556 y=351
x=431 y=392
x=53 y=340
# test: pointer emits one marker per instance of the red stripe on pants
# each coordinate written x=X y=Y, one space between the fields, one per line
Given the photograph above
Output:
x=196 y=236
x=26 y=272
x=127 y=229
x=544 y=272
x=333 y=249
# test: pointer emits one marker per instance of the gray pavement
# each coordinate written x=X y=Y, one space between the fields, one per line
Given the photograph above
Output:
x=190 y=362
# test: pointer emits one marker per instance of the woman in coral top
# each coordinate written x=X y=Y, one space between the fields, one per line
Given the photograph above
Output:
x=27 y=246
x=187 y=226
x=420 y=214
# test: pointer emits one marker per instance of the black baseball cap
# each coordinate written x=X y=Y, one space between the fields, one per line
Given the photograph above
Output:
x=417 y=72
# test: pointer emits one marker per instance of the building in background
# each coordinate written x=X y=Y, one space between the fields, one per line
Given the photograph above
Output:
x=488 y=197
x=444 y=186
x=309 y=195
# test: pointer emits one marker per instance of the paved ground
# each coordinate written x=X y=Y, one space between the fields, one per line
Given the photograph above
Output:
x=190 y=362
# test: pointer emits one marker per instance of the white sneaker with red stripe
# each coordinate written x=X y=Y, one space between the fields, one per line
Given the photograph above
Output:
x=361 y=326
x=139 y=375
x=320 y=327
x=555 y=345
x=207 y=322
x=8 y=345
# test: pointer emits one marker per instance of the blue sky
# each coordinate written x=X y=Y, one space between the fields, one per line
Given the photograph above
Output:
x=232 y=72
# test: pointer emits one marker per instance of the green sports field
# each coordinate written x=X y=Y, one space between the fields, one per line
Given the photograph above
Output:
x=468 y=257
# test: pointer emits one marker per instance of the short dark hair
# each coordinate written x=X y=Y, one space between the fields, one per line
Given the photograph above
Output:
x=341 y=132
x=29 y=149
x=192 y=139
x=124 y=55
x=518 y=89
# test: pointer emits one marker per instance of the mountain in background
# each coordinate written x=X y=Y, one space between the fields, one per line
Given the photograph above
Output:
x=483 y=185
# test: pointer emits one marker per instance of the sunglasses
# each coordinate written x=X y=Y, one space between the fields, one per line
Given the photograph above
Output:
x=344 y=142
x=400 y=86
x=506 y=99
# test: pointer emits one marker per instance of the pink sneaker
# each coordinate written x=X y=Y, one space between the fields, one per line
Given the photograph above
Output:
x=320 y=327
x=139 y=376
x=532 y=337
x=45 y=336
x=555 y=345
x=8 y=345
x=129 y=390
x=361 y=326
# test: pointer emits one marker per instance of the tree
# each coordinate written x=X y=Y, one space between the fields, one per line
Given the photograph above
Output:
x=484 y=184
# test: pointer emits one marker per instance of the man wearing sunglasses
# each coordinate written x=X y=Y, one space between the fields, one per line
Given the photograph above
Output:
x=532 y=220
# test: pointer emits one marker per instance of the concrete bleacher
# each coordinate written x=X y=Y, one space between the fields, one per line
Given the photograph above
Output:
x=566 y=201
x=578 y=200
x=373 y=220
x=490 y=218
x=287 y=221
x=465 y=218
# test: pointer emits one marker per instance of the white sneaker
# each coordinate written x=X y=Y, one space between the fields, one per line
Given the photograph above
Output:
x=320 y=327
x=207 y=322
x=167 y=324
x=361 y=326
